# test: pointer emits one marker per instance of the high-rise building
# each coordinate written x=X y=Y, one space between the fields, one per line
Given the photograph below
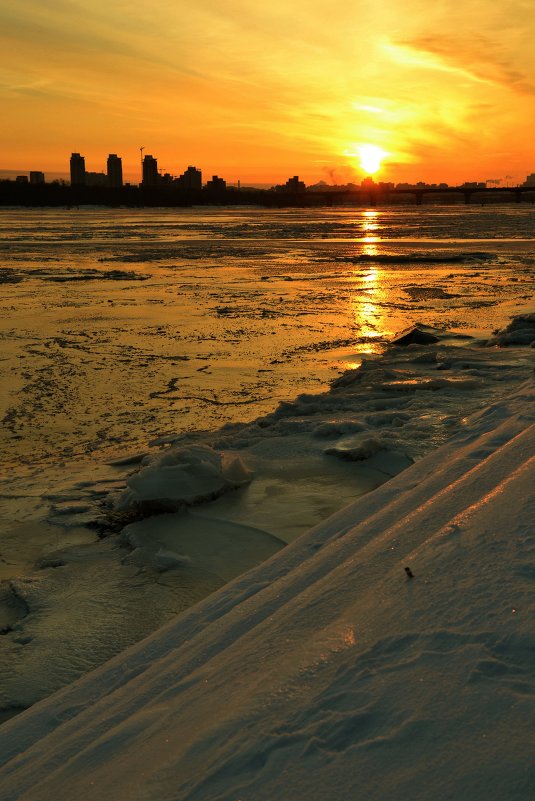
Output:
x=150 y=171
x=292 y=185
x=115 y=170
x=96 y=179
x=190 y=179
x=216 y=184
x=37 y=177
x=77 y=170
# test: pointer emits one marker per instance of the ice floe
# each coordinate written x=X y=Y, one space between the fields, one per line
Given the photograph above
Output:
x=183 y=476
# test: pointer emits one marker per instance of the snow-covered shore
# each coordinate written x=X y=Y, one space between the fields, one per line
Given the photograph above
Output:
x=326 y=672
x=232 y=498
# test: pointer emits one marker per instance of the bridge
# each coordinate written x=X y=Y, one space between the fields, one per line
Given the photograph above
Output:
x=377 y=195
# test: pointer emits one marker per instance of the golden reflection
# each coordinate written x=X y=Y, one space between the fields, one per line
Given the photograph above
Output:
x=371 y=249
x=369 y=227
x=370 y=222
x=370 y=278
x=369 y=316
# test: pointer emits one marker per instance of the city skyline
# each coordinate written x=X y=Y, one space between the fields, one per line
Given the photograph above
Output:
x=259 y=93
x=150 y=175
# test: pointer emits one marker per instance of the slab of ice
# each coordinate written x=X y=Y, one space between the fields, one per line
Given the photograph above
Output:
x=183 y=476
x=355 y=448
x=520 y=331
x=216 y=546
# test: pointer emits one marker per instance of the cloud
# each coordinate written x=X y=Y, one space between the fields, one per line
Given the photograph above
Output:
x=300 y=81
x=474 y=57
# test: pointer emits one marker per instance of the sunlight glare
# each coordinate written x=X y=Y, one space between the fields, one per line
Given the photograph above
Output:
x=371 y=157
x=370 y=224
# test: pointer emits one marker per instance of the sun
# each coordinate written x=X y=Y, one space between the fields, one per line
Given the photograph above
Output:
x=370 y=157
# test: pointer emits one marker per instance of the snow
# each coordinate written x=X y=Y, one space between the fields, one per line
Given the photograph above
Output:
x=325 y=672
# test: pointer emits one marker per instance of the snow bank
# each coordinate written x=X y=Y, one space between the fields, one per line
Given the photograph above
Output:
x=326 y=673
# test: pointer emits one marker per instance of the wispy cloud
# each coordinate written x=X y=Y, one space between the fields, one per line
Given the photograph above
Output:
x=474 y=57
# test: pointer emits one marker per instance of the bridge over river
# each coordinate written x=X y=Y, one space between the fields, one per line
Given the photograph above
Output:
x=377 y=195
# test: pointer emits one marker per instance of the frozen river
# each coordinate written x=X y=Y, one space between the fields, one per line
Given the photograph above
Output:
x=126 y=331
x=118 y=325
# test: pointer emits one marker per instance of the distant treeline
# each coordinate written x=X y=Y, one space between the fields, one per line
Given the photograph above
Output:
x=13 y=193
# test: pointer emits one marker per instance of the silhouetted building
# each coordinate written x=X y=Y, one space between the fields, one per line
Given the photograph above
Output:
x=37 y=177
x=96 y=179
x=292 y=185
x=190 y=179
x=21 y=179
x=77 y=170
x=115 y=170
x=420 y=185
x=295 y=185
x=150 y=171
x=530 y=180
x=216 y=184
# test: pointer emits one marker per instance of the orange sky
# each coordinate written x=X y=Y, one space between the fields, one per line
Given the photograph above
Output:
x=261 y=91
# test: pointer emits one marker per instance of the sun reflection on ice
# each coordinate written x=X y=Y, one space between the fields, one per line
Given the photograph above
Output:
x=370 y=223
x=369 y=317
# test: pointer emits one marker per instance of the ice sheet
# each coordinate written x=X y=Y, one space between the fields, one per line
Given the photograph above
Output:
x=125 y=331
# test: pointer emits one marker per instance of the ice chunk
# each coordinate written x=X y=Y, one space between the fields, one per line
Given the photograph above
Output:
x=181 y=477
x=417 y=335
x=520 y=331
x=133 y=458
x=420 y=334
x=355 y=448
x=335 y=428
x=216 y=546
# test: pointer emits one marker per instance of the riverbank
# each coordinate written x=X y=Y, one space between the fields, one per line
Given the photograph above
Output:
x=328 y=667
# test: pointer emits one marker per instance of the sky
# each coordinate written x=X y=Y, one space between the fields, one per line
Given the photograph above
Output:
x=259 y=91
